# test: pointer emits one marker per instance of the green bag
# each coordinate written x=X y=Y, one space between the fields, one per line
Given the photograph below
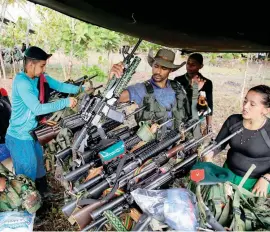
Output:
x=20 y=193
x=235 y=207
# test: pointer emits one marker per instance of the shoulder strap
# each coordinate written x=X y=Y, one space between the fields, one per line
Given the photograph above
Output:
x=149 y=87
x=235 y=126
x=265 y=137
x=42 y=80
x=176 y=86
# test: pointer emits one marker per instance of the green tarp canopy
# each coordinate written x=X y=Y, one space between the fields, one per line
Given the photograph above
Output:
x=190 y=25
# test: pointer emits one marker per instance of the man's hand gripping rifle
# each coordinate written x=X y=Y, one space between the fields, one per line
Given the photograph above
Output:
x=104 y=106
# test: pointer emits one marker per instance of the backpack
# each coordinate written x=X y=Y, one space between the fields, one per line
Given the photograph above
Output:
x=20 y=193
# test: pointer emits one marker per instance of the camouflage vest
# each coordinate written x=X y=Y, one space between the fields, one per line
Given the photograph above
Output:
x=20 y=193
x=180 y=110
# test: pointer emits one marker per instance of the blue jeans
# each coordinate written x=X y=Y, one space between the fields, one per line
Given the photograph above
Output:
x=27 y=157
x=4 y=152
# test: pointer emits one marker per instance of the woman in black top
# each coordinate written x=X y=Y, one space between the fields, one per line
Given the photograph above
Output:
x=252 y=145
x=193 y=80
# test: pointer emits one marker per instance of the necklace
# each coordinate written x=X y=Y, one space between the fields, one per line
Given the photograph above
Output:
x=253 y=135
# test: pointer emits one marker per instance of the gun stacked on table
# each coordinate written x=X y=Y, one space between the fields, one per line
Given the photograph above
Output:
x=100 y=159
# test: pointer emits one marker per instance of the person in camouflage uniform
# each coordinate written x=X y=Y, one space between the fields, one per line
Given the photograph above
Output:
x=17 y=192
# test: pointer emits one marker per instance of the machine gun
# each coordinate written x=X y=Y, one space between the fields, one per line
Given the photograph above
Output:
x=130 y=178
x=104 y=106
x=108 y=150
x=152 y=183
x=89 y=158
x=136 y=159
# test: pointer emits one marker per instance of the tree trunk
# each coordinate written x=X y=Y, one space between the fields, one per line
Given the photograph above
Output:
x=70 y=64
x=265 y=65
x=3 y=10
x=13 y=64
x=109 y=62
x=63 y=67
x=4 y=4
x=2 y=65
x=244 y=82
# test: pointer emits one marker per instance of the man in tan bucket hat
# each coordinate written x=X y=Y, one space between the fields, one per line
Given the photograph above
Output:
x=165 y=58
x=162 y=97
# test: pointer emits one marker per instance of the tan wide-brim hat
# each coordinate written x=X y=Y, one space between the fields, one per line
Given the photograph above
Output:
x=165 y=58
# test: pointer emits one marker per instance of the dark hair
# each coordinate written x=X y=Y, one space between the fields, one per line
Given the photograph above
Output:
x=198 y=57
x=264 y=90
x=27 y=60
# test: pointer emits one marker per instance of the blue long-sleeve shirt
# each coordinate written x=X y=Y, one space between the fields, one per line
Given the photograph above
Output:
x=26 y=105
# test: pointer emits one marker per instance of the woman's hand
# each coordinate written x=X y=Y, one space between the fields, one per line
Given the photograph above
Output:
x=261 y=187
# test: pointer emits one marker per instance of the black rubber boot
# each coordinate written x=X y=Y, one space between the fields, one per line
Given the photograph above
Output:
x=43 y=189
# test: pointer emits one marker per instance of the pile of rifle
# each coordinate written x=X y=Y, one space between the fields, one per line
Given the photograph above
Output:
x=106 y=159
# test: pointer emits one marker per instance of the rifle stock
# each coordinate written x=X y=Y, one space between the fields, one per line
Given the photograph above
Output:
x=158 y=181
x=82 y=216
x=46 y=134
x=140 y=155
x=85 y=212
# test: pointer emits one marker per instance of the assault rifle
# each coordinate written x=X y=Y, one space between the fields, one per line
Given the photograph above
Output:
x=97 y=144
x=152 y=183
x=104 y=106
x=82 y=216
x=48 y=130
x=136 y=158
x=160 y=163
x=89 y=158
x=77 y=82
x=109 y=149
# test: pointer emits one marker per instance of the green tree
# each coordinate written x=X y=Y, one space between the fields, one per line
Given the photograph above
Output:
x=58 y=32
x=14 y=33
x=145 y=45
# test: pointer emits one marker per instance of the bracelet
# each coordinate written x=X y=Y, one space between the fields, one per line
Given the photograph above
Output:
x=264 y=177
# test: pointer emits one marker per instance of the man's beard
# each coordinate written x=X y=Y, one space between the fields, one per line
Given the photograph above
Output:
x=158 y=78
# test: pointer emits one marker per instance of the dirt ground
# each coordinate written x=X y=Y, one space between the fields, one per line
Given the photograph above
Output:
x=228 y=80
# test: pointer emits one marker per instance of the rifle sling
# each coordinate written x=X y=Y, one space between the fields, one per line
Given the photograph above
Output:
x=116 y=185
